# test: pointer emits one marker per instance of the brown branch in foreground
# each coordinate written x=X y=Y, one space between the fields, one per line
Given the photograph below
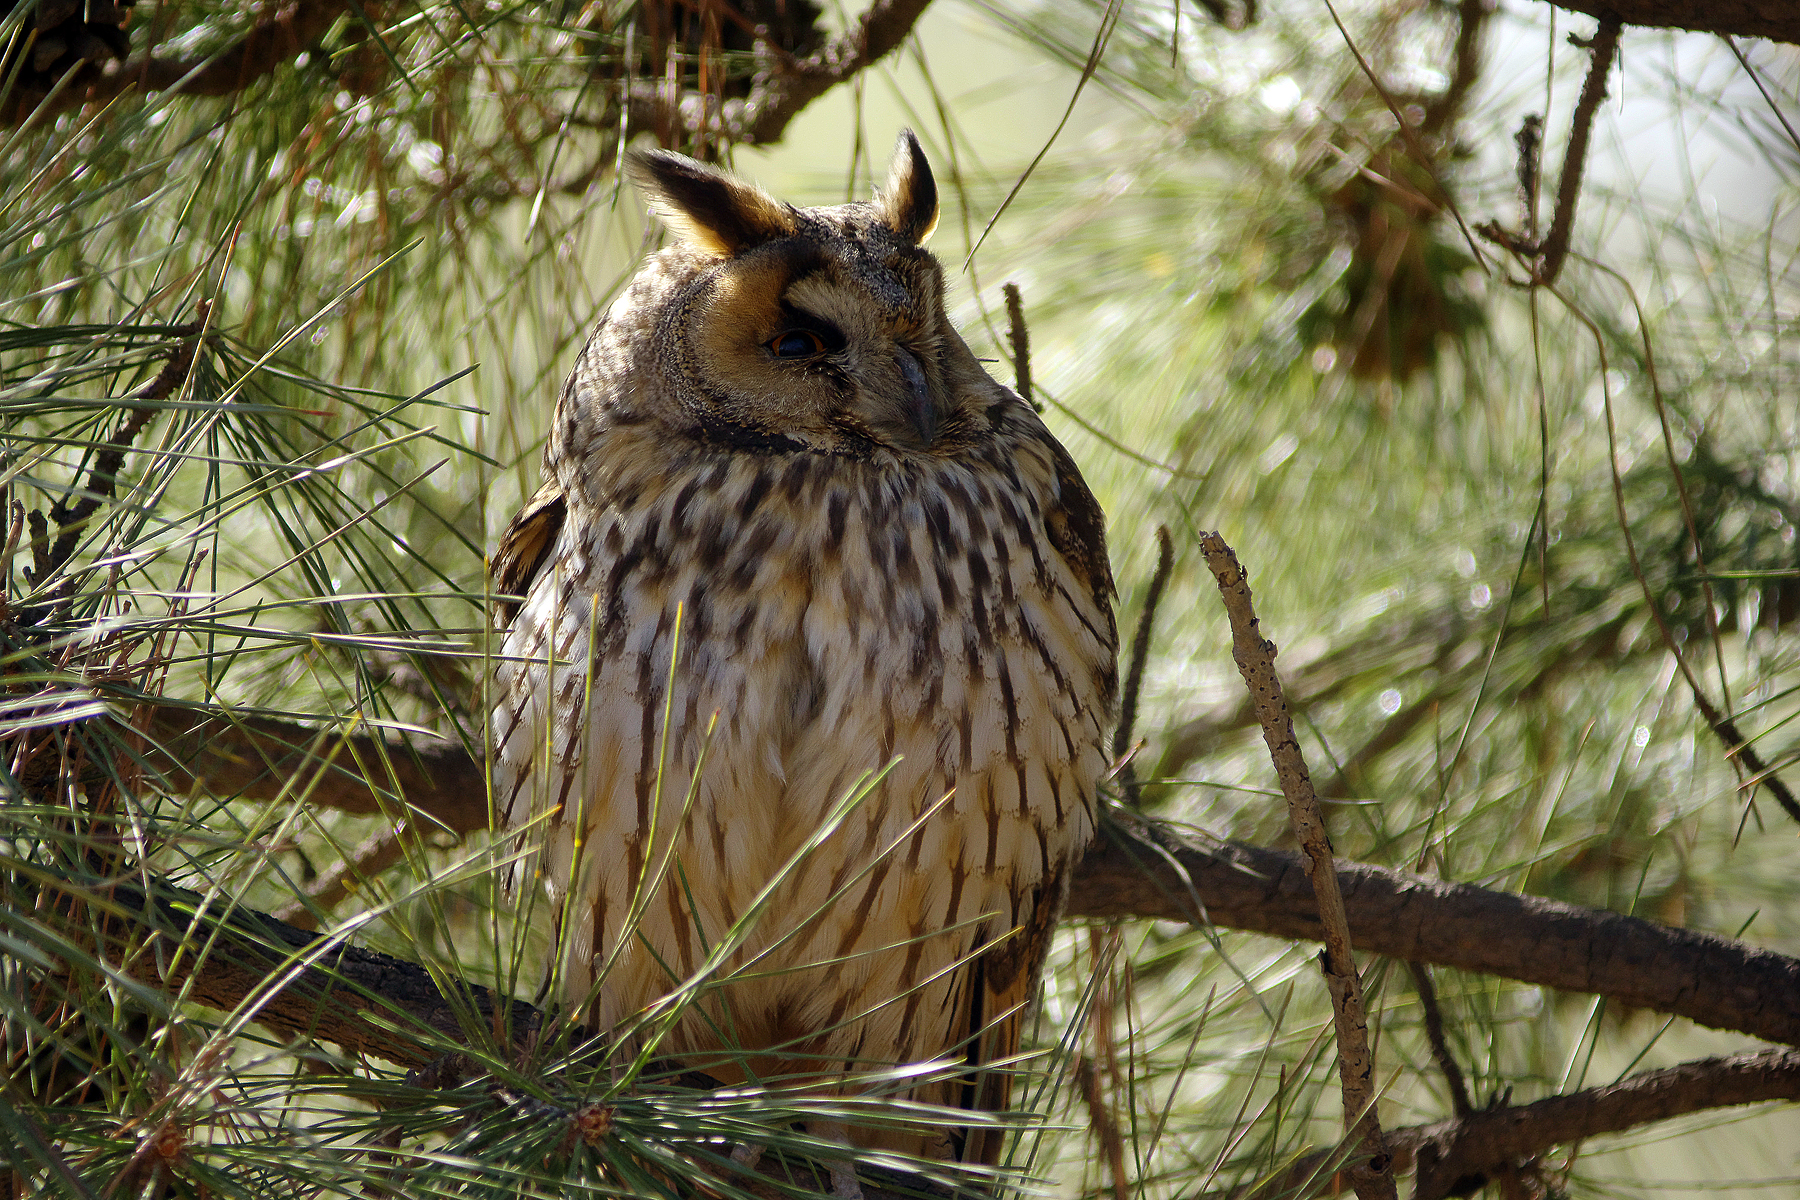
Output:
x=1371 y=1174
x=1454 y=1158
x=1135 y=869
x=299 y=983
x=304 y=984
x=1604 y=48
x=307 y=985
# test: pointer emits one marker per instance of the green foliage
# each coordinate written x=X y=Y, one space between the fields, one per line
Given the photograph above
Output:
x=404 y=231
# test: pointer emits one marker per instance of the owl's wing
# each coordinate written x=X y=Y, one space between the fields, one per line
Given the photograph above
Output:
x=1077 y=529
x=525 y=545
x=1000 y=989
x=1003 y=979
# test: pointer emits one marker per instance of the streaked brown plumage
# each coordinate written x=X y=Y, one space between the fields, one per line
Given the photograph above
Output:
x=875 y=555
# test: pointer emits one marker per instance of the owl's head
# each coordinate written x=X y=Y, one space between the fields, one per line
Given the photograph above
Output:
x=808 y=328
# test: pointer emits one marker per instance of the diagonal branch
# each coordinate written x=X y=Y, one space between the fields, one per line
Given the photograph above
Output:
x=1371 y=1174
x=1143 y=870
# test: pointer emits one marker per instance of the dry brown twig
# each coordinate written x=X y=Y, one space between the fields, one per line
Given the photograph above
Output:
x=1019 y=338
x=1140 y=657
x=1372 y=1173
x=1604 y=47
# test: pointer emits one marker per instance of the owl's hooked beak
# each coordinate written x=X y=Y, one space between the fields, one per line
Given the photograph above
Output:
x=919 y=405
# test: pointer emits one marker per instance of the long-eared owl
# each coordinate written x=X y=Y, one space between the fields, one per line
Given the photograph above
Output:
x=794 y=546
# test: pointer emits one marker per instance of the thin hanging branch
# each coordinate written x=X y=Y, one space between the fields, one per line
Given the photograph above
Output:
x=1140 y=657
x=1604 y=47
x=1440 y=1046
x=1372 y=1172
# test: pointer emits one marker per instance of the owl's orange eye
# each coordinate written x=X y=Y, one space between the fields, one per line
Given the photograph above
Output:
x=796 y=343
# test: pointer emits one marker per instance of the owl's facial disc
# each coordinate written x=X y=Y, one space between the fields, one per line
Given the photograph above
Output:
x=822 y=327
x=837 y=355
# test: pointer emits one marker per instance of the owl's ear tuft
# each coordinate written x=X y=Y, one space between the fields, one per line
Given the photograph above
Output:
x=909 y=202
x=708 y=209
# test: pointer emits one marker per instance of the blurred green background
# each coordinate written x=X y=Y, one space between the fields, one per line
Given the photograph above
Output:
x=1251 y=309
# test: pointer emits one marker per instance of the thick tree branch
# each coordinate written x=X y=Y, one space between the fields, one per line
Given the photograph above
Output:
x=1139 y=869
x=295 y=982
x=263 y=759
x=307 y=984
x=1135 y=869
x=1455 y=1157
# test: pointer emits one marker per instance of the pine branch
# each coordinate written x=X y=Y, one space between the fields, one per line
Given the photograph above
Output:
x=272 y=42
x=1135 y=869
x=307 y=984
x=1139 y=869
x=1456 y=1157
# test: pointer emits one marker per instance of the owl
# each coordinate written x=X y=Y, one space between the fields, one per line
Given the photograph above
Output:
x=808 y=664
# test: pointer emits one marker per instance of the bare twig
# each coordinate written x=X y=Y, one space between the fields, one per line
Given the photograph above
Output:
x=1736 y=745
x=371 y=858
x=1019 y=338
x=1440 y=1048
x=1100 y=1120
x=1371 y=1175
x=1756 y=78
x=1456 y=1157
x=1604 y=47
x=1103 y=948
x=1140 y=657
